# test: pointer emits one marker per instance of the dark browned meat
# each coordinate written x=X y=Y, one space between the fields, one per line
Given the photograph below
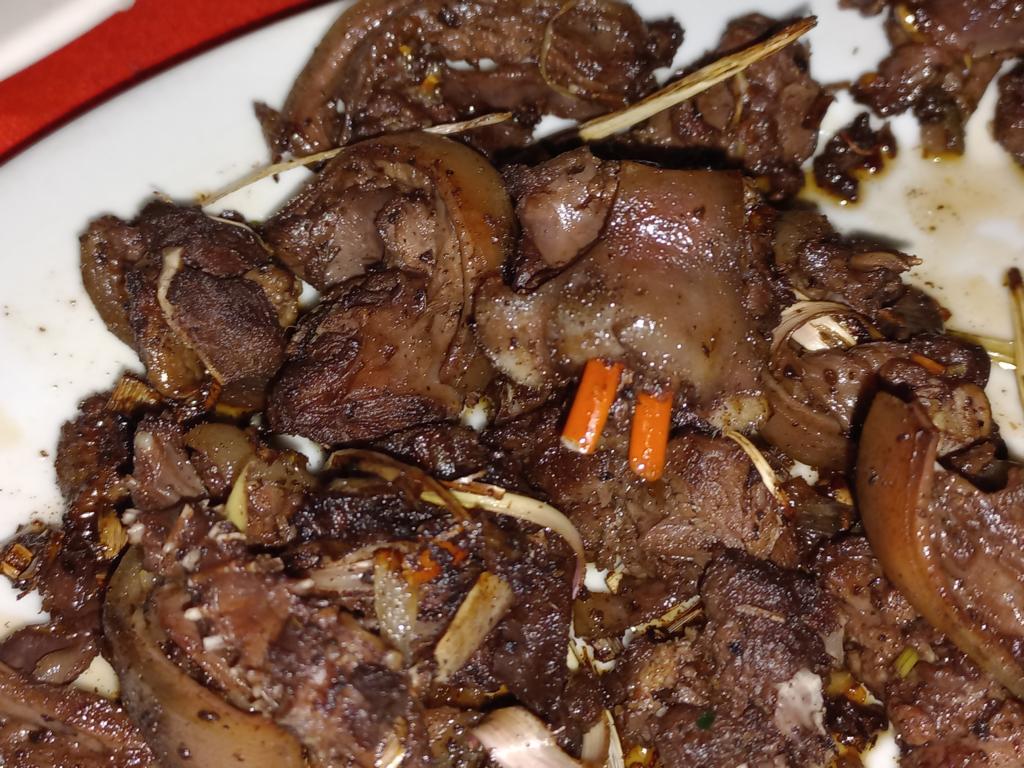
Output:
x=561 y=206
x=43 y=726
x=1009 y=121
x=948 y=713
x=979 y=28
x=401 y=64
x=819 y=399
x=69 y=566
x=196 y=296
x=944 y=710
x=854 y=152
x=749 y=688
x=878 y=622
x=392 y=347
x=709 y=497
x=824 y=265
x=765 y=120
x=948 y=545
x=944 y=55
x=672 y=289
x=446 y=451
x=162 y=474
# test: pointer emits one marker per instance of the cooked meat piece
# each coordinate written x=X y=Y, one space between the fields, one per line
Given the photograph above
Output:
x=194 y=295
x=944 y=55
x=993 y=26
x=952 y=548
x=750 y=681
x=446 y=451
x=42 y=726
x=96 y=440
x=939 y=84
x=389 y=348
x=823 y=265
x=948 y=713
x=530 y=644
x=819 y=398
x=959 y=409
x=373 y=358
x=69 y=566
x=671 y=289
x=764 y=625
x=878 y=622
x=343 y=693
x=172 y=366
x=402 y=64
x=561 y=206
x=913 y=314
x=709 y=496
x=765 y=120
x=110 y=248
x=943 y=709
x=231 y=325
x=162 y=474
x=219 y=453
x=363 y=515
x=854 y=152
x=1009 y=121
x=220 y=247
x=413 y=201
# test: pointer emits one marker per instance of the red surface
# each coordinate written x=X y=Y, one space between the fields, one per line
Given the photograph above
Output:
x=125 y=49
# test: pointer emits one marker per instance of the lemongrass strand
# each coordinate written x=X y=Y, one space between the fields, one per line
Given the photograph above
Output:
x=764 y=469
x=999 y=350
x=258 y=174
x=483 y=121
x=695 y=83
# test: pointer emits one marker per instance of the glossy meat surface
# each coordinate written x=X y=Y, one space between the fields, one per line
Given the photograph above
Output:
x=765 y=121
x=403 y=64
x=668 y=290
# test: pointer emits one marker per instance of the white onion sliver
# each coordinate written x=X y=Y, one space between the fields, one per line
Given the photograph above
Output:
x=615 y=758
x=485 y=605
x=495 y=499
x=764 y=469
x=802 y=312
x=516 y=738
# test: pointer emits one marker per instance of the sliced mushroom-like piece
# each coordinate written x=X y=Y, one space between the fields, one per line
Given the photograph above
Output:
x=184 y=723
x=953 y=550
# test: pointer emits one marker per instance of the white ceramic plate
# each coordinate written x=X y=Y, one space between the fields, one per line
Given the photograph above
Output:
x=192 y=129
x=31 y=29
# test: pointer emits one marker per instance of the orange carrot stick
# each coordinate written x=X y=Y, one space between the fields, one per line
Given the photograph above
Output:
x=648 y=437
x=589 y=411
x=928 y=364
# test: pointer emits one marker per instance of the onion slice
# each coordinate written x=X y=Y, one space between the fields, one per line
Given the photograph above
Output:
x=896 y=474
x=795 y=316
x=516 y=738
x=485 y=605
x=764 y=469
x=1013 y=281
x=496 y=499
x=185 y=723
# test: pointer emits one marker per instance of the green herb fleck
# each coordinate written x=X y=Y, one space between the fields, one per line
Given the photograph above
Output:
x=706 y=719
